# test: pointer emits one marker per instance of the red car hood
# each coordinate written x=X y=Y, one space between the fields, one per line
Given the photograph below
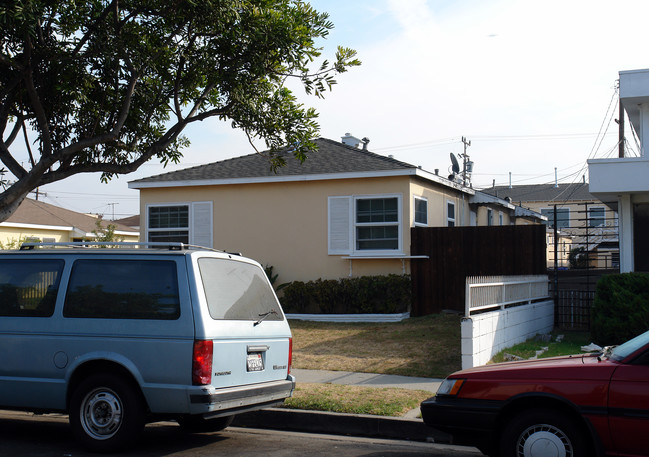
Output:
x=574 y=367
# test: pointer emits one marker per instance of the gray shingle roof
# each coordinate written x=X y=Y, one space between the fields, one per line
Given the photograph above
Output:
x=331 y=157
x=543 y=192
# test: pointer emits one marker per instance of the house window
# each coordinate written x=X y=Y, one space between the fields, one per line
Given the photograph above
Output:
x=450 y=214
x=596 y=217
x=501 y=219
x=189 y=223
x=421 y=211
x=377 y=224
x=490 y=217
x=563 y=217
x=363 y=224
x=169 y=223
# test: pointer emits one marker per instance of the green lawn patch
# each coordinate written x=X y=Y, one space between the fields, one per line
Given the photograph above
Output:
x=571 y=343
x=355 y=399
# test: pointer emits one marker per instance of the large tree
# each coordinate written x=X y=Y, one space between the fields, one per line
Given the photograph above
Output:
x=104 y=86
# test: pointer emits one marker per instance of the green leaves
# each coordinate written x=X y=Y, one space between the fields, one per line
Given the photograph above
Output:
x=104 y=86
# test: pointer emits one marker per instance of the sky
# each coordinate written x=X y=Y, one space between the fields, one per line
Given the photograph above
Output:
x=531 y=84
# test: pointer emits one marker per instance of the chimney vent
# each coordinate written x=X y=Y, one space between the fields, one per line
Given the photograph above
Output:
x=351 y=140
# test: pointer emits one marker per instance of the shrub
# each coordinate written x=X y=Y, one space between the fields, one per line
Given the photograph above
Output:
x=365 y=294
x=621 y=308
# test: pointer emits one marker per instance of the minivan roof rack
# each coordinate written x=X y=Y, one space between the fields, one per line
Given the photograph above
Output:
x=170 y=245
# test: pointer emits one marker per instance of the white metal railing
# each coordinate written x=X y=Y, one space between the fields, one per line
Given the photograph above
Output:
x=497 y=292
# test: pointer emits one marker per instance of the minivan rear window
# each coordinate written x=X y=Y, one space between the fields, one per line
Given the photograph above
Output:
x=237 y=291
x=28 y=287
x=123 y=289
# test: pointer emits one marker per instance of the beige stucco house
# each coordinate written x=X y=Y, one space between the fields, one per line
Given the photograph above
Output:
x=39 y=221
x=345 y=211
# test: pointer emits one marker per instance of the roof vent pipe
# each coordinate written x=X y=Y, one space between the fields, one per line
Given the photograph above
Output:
x=556 y=181
x=365 y=141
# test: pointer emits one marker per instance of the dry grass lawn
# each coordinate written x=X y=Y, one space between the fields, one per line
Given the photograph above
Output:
x=426 y=346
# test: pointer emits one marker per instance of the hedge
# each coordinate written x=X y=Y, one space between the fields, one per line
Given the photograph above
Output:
x=621 y=308
x=364 y=294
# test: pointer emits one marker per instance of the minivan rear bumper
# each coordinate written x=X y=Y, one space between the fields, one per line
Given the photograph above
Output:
x=211 y=400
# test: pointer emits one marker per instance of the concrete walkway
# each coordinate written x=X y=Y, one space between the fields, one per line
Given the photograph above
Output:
x=365 y=379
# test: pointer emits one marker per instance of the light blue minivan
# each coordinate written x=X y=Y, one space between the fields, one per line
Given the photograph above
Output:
x=120 y=337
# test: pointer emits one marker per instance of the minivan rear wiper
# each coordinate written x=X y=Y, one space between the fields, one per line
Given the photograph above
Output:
x=263 y=316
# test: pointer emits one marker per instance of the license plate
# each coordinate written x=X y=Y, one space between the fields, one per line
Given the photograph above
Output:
x=255 y=362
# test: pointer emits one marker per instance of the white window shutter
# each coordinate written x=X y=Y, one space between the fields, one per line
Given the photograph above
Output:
x=340 y=225
x=201 y=228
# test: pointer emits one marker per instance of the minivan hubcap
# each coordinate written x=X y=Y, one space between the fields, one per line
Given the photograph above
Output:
x=101 y=414
x=544 y=441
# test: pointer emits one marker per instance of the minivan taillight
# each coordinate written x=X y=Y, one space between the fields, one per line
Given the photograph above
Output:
x=202 y=362
x=290 y=354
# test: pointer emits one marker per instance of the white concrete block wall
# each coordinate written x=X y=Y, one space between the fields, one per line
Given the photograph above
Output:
x=484 y=335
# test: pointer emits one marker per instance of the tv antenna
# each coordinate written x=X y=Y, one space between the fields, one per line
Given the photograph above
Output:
x=467 y=165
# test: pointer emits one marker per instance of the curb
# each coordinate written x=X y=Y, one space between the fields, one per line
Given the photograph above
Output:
x=362 y=425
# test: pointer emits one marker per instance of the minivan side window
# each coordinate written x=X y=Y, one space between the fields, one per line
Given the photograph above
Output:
x=123 y=289
x=237 y=291
x=28 y=287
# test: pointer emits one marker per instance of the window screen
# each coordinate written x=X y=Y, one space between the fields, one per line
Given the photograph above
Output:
x=123 y=289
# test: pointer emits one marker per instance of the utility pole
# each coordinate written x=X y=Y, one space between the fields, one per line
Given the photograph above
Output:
x=112 y=205
x=465 y=158
x=621 y=131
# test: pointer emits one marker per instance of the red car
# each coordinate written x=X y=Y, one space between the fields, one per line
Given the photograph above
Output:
x=574 y=406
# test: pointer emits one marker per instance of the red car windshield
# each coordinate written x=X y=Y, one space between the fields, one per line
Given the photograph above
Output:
x=624 y=350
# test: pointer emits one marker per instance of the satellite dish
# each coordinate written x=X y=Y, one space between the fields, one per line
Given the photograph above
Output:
x=456 y=165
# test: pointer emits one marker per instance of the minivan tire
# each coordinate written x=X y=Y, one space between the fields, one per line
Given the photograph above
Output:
x=198 y=424
x=106 y=412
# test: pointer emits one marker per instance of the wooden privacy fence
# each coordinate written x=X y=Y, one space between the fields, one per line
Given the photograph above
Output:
x=458 y=252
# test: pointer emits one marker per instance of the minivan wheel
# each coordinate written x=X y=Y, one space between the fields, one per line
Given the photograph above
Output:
x=198 y=424
x=106 y=413
x=542 y=433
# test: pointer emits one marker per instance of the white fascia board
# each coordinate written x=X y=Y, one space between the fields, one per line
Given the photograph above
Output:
x=122 y=232
x=297 y=178
x=36 y=226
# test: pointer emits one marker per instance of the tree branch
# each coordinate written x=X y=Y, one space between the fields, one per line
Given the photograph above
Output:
x=41 y=117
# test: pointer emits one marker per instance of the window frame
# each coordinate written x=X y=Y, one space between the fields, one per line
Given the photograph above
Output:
x=451 y=220
x=414 y=211
x=150 y=230
x=490 y=217
x=602 y=219
x=397 y=224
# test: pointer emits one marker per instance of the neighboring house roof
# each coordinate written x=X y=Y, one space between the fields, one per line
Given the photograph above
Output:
x=131 y=221
x=34 y=214
x=543 y=192
x=332 y=160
